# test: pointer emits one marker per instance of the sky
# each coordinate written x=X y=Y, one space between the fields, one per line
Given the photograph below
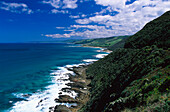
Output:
x=48 y=20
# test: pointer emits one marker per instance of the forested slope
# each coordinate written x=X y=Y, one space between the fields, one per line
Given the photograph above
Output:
x=136 y=77
x=156 y=32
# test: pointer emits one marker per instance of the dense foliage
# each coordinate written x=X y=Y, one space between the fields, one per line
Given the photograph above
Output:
x=134 y=78
x=111 y=43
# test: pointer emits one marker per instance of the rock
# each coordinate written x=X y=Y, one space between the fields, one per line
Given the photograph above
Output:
x=65 y=99
x=76 y=85
x=61 y=108
x=68 y=90
x=26 y=95
x=51 y=109
x=40 y=101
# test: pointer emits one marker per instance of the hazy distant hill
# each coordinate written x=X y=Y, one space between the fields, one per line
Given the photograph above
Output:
x=104 y=42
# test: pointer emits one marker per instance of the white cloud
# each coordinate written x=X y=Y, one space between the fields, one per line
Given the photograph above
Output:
x=70 y=4
x=55 y=35
x=130 y=19
x=83 y=21
x=83 y=15
x=78 y=16
x=73 y=17
x=60 y=27
x=116 y=4
x=15 y=7
x=100 y=18
x=87 y=26
x=64 y=4
x=55 y=11
x=95 y=33
x=90 y=31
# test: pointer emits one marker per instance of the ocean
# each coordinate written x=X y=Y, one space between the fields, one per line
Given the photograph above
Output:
x=31 y=73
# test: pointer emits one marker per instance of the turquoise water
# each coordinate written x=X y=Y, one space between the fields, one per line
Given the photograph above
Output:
x=25 y=67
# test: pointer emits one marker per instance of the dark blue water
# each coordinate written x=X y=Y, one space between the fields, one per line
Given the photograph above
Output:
x=25 y=68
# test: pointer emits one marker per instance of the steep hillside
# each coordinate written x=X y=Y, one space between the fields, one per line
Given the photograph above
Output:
x=136 y=77
x=104 y=42
x=156 y=32
x=120 y=44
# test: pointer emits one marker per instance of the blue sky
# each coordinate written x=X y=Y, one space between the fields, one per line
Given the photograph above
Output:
x=46 y=20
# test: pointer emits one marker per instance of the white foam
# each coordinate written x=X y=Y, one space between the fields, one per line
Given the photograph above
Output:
x=41 y=101
x=89 y=60
x=99 y=51
x=10 y=101
x=101 y=55
x=75 y=65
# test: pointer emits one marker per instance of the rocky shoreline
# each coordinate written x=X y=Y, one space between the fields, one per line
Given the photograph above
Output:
x=79 y=85
x=102 y=48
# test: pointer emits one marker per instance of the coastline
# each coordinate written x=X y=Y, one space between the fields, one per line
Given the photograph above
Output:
x=79 y=84
x=103 y=49
x=68 y=89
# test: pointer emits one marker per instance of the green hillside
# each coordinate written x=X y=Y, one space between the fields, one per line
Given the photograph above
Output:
x=135 y=78
x=156 y=32
x=104 y=42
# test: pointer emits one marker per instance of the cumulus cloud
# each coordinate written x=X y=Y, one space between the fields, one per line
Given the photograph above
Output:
x=58 y=35
x=60 y=27
x=129 y=19
x=96 y=33
x=73 y=17
x=116 y=4
x=55 y=11
x=15 y=7
x=64 y=4
x=78 y=16
x=90 y=31
x=87 y=26
x=83 y=21
x=70 y=4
